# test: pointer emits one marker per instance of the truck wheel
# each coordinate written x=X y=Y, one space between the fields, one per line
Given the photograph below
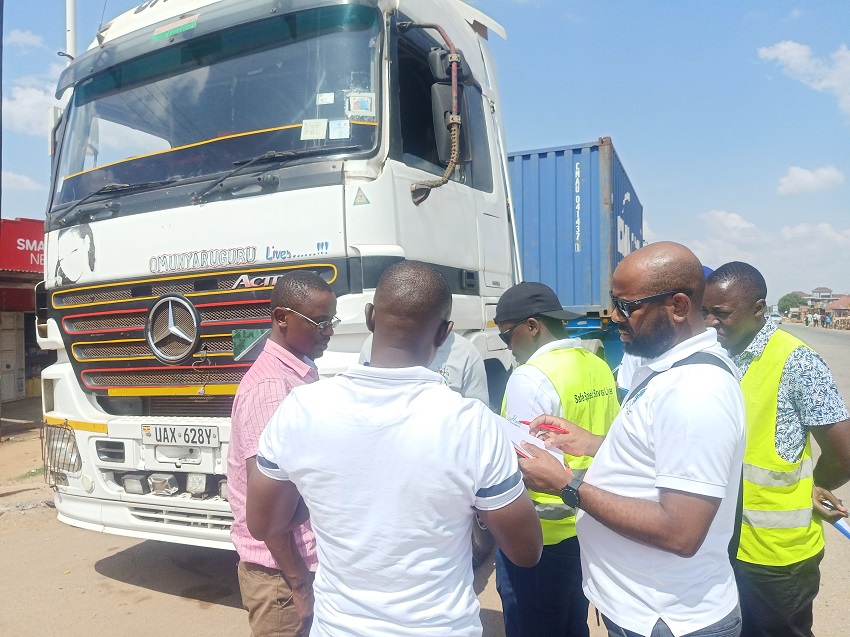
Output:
x=483 y=543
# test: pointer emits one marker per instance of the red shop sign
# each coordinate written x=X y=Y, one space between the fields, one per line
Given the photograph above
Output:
x=22 y=245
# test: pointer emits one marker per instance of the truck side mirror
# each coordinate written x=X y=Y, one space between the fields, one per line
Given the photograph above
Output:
x=441 y=107
x=441 y=70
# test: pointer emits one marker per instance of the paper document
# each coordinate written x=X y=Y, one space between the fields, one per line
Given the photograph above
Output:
x=518 y=434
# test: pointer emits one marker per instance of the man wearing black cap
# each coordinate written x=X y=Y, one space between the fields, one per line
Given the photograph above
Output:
x=556 y=377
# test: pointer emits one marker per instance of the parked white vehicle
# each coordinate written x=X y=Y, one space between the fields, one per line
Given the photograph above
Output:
x=208 y=147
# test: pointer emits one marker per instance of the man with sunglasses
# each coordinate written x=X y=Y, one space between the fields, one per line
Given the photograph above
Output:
x=276 y=576
x=657 y=506
x=555 y=376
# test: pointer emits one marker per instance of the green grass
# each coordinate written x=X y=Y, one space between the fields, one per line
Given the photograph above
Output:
x=29 y=474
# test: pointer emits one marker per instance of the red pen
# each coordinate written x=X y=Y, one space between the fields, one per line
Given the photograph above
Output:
x=545 y=427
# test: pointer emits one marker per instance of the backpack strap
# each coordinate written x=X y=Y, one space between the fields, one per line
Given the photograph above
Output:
x=698 y=358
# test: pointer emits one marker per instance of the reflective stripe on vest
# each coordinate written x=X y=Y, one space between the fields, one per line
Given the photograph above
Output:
x=778 y=527
x=588 y=395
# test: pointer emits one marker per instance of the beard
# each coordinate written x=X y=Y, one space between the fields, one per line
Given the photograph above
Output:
x=658 y=335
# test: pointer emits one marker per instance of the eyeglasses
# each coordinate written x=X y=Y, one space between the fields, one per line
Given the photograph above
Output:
x=319 y=326
x=627 y=307
x=508 y=333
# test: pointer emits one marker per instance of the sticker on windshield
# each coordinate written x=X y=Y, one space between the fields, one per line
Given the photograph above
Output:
x=339 y=129
x=362 y=104
x=324 y=98
x=314 y=129
x=175 y=27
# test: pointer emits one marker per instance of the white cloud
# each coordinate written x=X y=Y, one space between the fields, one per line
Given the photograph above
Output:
x=820 y=232
x=727 y=221
x=825 y=75
x=26 y=105
x=795 y=14
x=14 y=181
x=798 y=180
x=24 y=39
x=788 y=256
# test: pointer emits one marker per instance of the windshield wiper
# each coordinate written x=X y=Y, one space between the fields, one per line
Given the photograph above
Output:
x=269 y=157
x=64 y=217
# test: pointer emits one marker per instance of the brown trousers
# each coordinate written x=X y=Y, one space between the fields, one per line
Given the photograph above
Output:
x=267 y=598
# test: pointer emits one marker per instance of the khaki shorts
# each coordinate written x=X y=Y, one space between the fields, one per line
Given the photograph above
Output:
x=268 y=599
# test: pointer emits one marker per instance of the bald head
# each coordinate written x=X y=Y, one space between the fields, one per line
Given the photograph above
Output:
x=666 y=266
x=410 y=315
x=668 y=280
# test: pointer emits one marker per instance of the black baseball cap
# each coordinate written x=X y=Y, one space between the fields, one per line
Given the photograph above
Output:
x=528 y=299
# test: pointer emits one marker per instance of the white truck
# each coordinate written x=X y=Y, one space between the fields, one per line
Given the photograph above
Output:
x=207 y=147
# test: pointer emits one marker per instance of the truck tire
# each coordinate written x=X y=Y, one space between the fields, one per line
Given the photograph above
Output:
x=483 y=543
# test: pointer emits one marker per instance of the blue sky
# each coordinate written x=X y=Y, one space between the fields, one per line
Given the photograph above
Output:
x=732 y=118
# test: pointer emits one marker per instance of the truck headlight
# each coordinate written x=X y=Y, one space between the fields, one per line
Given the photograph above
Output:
x=60 y=450
x=135 y=483
x=163 y=483
x=196 y=483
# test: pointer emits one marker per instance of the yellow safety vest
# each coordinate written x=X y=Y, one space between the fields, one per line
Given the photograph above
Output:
x=588 y=394
x=778 y=527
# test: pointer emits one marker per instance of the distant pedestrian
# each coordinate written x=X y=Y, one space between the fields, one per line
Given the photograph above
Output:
x=790 y=394
x=823 y=320
x=816 y=319
x=828 y=321
x=808 y=320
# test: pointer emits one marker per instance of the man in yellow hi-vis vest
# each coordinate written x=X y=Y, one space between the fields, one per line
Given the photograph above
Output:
x=789 y=392
x=556 y=377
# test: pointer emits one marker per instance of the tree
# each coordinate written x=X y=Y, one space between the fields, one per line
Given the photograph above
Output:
x=790 y=300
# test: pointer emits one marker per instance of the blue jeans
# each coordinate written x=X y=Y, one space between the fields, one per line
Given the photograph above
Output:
x=545 y=600
x=729 y=626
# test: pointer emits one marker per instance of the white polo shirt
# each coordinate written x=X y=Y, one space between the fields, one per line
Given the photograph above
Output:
x=390 y=463
x=683 y=431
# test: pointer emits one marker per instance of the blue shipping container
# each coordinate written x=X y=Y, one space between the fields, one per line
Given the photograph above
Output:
x=577 y=216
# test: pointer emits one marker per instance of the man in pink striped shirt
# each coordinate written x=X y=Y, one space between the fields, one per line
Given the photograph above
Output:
x=276 y=576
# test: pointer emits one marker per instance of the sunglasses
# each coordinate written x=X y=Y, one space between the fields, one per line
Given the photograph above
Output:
x=322 y=326
x=627 y=307
x=508 y=333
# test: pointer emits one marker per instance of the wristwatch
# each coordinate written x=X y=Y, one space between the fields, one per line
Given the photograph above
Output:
x=569 y=494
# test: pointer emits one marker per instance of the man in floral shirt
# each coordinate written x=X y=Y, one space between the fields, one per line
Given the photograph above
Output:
x=789 y=393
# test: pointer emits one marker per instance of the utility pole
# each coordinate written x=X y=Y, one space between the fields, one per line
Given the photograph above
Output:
x=71 y=29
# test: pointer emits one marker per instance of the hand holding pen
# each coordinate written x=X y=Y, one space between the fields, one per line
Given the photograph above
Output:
x=565 y=435
x=827 y=504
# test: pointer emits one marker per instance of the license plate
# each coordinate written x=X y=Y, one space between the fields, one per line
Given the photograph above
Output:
x=180 y=435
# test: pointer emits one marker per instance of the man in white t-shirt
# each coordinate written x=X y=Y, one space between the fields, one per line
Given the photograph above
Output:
x=657 y=506
x=458 y=361
x=393 y=465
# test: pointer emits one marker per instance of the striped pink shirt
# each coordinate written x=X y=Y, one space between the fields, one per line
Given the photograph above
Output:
x=272 y=376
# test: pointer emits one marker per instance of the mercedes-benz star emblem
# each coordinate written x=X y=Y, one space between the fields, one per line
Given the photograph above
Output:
x=172 y=330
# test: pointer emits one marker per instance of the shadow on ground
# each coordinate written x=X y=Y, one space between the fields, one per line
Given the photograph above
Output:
x=203 y=574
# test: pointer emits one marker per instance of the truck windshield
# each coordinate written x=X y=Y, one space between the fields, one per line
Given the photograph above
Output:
x=299 y=81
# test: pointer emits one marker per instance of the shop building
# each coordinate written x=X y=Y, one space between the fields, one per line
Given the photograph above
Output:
x=21 y=268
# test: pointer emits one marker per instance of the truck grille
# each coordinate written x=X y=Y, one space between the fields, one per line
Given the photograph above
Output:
x=177 y=516
x=164 y=377
x=103 y=327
